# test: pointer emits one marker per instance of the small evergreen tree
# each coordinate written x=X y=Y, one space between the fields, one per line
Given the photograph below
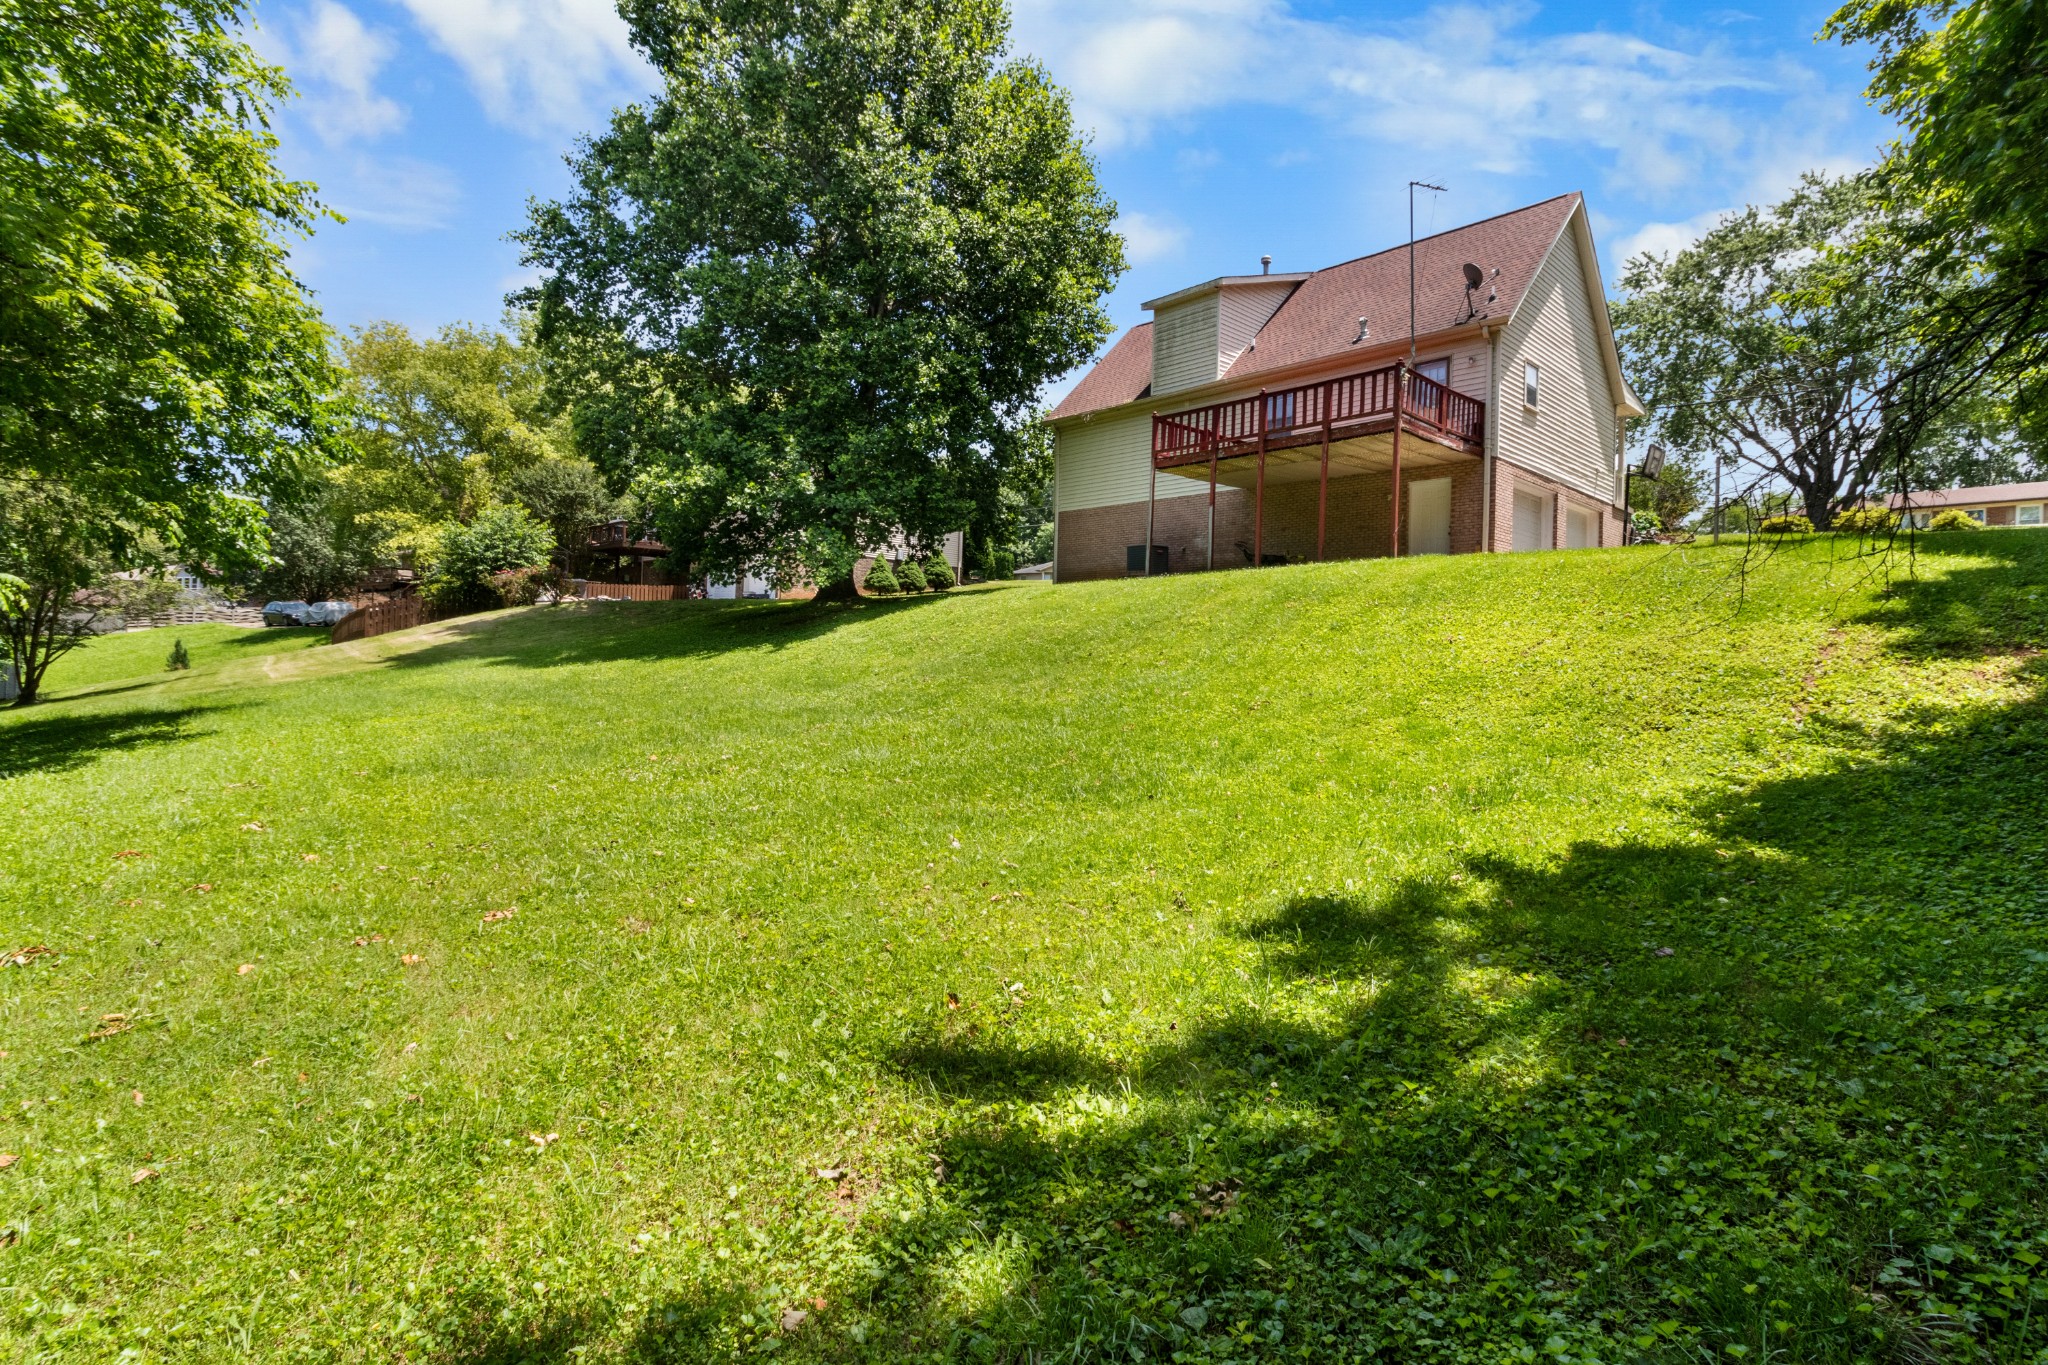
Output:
x=881 y=579
x=938 y=574
x=180 y=659
x=910 y=577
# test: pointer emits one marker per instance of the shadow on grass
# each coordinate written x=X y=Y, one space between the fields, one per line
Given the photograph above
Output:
x=31 y=743
x=1774 y=1088
x=604 y=632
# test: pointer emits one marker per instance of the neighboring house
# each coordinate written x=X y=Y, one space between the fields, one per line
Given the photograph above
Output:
x=2004 y=504
x=1258 y=418
x=1035 y=573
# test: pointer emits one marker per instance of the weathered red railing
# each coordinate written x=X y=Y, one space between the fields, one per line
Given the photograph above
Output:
x=1427 y=408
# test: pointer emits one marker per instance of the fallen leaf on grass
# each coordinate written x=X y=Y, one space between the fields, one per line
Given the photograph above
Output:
x=309 y=857
x=245 y=969
x=201 y=887
x=830 y=1173
x=635 y=925
x=111 y=1024
x=952 y=1001
x=303 y=1078
x=137 y=1096
x=144 y=1174
x=362 y=942
x=21 y=957
x=131 y=853
x=255 y=826
x=493 y=916
x=541 y=1142
x=8 y=1159
x=794 y=1318
x=1666 y=952
x=411 y=960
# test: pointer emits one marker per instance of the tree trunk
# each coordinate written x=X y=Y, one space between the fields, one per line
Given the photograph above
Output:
x=838 y=590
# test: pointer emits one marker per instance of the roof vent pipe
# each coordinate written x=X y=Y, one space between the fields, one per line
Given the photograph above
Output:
x=1265 y=265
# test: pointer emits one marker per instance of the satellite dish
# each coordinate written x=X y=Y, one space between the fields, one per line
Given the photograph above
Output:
x=1653 y=461
x=1474 y=276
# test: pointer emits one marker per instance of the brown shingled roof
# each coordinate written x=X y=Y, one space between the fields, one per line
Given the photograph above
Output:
x=1120 y=377
x=1972 y=497
x=1320 y=318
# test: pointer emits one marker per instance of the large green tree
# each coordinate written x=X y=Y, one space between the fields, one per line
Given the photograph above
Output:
x=806 y=297
x=157 y=356
x=1968 y=233
x=1739 y=360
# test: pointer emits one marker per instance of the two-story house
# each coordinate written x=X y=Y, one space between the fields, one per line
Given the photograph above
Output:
x=1269 y=418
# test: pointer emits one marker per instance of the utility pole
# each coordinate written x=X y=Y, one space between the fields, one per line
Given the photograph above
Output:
x=1718 y=457
x=1413 y=186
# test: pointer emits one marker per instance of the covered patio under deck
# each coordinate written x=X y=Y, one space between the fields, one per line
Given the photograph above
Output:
x=1390 y=421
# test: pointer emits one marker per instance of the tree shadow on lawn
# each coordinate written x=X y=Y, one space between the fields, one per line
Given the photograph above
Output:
x=606 y=632
x=1777 y=1086
x=57 y=743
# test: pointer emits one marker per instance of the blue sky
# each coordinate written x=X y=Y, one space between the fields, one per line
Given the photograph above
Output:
x=1224 y=129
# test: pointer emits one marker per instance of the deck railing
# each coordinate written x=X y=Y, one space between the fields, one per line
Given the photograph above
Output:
x=1427 y=407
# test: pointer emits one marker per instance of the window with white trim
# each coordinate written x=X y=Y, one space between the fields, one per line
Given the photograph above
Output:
x=1531 y=385
x=2029 y=515
x=1976 y=513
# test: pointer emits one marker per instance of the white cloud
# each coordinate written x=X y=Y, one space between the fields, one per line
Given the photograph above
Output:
x=1148 y=239
x=335 y=59
x=536 y=65
x=398 y=192
x=1667 y=239
x=1463 y=83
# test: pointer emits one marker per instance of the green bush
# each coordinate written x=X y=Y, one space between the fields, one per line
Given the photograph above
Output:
x=466 y=557
x=910 y=576
x=524 y=587
x=1867 y=520
x=180 y=659
x=1954 y=519
x=938 y=574
x=881 y=580
x=1790 y=523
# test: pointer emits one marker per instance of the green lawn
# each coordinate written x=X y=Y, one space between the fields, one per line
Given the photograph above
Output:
x=1597 y=956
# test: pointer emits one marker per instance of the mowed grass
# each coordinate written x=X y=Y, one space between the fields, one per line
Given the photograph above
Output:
x=1604 y=956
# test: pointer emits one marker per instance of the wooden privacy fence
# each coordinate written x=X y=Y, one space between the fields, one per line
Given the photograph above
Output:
x=633 y=592
x=381 y=618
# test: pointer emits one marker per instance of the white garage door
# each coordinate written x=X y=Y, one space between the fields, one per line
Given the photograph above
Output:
x=1532 y=521
x=1581 y=529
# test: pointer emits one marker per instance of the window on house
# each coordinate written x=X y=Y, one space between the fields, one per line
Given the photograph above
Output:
x=2030 y=515
x=1439 y=370
x=1977 y=513
x=1530 y=388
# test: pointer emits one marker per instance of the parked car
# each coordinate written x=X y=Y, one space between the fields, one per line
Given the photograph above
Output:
x=285 y=613
x=326 y=613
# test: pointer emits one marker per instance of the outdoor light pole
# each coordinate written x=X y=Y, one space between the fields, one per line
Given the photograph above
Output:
x=1718 y=457
x=1413 y=186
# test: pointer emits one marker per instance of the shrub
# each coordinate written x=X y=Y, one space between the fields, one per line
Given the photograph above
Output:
x=910 y=576
x=1954 y=519
x=1645 y=524
x=504 y=537
x=180 y=659
x=524 y=587
x=1790 y=523
x=881 y=580
x=1871 y=520
x=938 y=574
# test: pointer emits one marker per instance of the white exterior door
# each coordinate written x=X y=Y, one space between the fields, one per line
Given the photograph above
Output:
x=1532 y=521
x=1429 y=517
x=1581 y=529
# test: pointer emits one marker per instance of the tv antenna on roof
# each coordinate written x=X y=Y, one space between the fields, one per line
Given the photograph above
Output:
x=1413 y=186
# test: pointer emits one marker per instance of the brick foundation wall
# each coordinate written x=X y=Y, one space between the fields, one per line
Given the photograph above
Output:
x=1508 y=476
x=1094 y=541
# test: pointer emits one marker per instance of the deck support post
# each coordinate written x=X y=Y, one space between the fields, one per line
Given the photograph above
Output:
x=1400 y=396
x=1151 y=503
x=1212 y=505
x=1259 y=497
x=1323 y=489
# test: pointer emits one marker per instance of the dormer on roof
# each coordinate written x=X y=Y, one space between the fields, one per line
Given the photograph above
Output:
x=1199 y=332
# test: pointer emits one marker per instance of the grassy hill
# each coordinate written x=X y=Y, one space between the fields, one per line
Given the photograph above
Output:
x=1605 y=956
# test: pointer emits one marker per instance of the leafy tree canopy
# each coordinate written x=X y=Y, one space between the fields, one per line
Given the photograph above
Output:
x=1969 y=231
x=1739 y=359
x=156 y=354
x=806 y=297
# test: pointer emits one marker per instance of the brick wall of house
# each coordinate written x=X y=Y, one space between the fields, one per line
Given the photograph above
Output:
x=1509 y=476
x=1094 y=541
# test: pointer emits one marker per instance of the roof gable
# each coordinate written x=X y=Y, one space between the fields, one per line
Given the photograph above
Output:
x=1122 y=376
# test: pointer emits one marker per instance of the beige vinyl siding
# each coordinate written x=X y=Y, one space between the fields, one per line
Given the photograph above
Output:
x=1571 y=437
x=1244 y=309
x=1104 y=461
x=1468 y=372
x=1184 y=345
